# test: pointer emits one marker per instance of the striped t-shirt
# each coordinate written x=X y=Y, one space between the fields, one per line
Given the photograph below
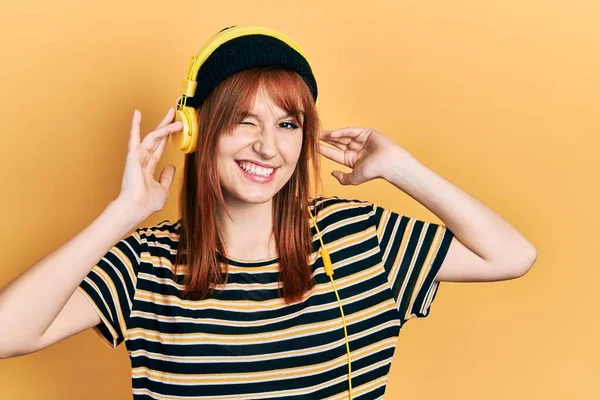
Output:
x=245 y=342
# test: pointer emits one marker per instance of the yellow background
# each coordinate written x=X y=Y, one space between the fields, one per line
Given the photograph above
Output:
x=499 y=97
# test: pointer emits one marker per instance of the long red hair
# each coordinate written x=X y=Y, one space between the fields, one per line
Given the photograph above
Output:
x=201 y=192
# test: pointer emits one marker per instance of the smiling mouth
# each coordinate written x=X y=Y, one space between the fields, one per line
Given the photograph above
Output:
x=256 y=173
x=255 y=169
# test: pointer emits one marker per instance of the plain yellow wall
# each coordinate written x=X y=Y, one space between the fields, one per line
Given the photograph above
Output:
x=501 y=98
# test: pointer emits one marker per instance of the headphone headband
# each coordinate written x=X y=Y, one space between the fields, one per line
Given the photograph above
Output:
x=226 y=53
x=224 y=36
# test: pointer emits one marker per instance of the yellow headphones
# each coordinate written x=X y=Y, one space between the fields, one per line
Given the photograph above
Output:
x=329 y=271
x=186 y=139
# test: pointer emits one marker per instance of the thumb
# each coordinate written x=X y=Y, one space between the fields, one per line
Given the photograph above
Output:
x=166 y=176
x=342 y=177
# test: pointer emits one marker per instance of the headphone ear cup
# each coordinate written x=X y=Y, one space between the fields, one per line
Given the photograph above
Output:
x=186 y=139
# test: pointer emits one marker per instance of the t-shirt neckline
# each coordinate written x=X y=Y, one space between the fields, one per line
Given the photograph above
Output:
x=245 y=262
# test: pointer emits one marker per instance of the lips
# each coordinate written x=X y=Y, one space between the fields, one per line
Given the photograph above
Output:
x=257 y=163
x=257 y=178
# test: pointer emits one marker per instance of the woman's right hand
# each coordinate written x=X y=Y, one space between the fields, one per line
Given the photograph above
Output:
x=139 y=188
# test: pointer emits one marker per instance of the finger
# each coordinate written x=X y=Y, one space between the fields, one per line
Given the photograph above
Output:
x=134 y=133
x=346 y=143
x=324 y=132
x=153 y=138
x=327 y=135
x=161 y=146
x=156 y=155
x=347 y=131
x=167 y=119
x=339 y=145
x=166 y=176
x=356 y=133
x=336 y=155
x=157 y=142
x=342 y=177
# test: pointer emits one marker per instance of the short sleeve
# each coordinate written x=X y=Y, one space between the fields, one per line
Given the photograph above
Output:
x=412 y=253
x=110 y=287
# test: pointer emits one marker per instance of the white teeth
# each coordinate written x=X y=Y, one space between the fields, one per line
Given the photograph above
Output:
x=255 y=169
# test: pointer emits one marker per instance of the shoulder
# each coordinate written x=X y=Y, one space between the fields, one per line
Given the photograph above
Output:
x=335 y=204
x=164 y=234
x=330 y=210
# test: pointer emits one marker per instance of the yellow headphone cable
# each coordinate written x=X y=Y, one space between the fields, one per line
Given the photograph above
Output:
x=253 y=46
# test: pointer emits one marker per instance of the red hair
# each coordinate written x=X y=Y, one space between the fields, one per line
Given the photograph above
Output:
x=201 y=190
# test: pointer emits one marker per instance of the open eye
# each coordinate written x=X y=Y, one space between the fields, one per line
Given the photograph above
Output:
x=292 y=125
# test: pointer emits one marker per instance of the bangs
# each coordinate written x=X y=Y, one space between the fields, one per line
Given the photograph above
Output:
x=285 y=88
x=220 y=113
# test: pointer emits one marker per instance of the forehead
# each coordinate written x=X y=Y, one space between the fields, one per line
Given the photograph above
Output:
x=264 y=105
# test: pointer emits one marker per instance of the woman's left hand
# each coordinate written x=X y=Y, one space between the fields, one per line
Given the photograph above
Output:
x=369 y=153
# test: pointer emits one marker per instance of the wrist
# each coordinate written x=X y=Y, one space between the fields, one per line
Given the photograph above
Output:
x=128 y=213
x=399 y=167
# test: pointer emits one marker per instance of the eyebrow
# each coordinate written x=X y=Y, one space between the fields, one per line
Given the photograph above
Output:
x=284 y=116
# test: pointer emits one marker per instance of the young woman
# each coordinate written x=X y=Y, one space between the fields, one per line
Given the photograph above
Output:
x=259 y=289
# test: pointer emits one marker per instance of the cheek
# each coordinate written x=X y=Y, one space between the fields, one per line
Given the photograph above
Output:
x=227 y=145
x=226 y=149
x=291 y=149
x=223 y=157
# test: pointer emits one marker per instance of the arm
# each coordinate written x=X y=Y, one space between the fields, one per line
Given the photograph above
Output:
x=42 y=306
x=485 y=247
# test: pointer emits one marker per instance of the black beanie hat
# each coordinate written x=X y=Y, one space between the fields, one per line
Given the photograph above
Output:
x=244 y=52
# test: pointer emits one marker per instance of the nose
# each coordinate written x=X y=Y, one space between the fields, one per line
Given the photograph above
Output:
x=265 y=145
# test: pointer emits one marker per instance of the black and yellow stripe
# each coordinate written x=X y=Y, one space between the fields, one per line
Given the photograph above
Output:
x=245 y=342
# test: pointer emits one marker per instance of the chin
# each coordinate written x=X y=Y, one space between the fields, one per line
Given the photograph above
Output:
x=243 y=190
x=249 y=196
x=256 y=198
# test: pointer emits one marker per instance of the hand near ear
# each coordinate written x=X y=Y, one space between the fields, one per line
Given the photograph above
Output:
x=138 y=185
x=368 y=152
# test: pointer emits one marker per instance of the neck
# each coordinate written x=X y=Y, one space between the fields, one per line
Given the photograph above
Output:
x=248 y=233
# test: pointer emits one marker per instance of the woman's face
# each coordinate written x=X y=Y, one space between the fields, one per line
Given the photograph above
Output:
x=260 y=155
